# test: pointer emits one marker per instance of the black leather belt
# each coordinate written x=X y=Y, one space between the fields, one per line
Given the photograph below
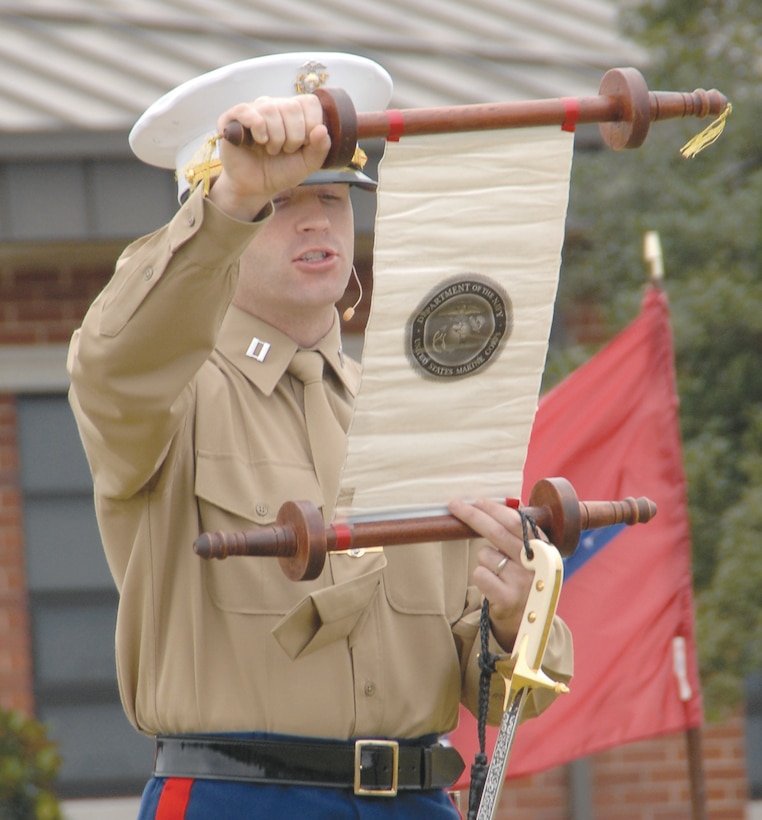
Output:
x=377 y=768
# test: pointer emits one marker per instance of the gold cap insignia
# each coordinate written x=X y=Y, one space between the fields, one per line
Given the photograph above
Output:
x=358 y=160
x=314 y=75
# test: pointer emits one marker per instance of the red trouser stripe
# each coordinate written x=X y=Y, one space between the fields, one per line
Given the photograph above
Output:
x=174 y=798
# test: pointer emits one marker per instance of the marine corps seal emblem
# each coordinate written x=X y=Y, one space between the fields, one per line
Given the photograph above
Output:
x=314 y=75
x=459 y=327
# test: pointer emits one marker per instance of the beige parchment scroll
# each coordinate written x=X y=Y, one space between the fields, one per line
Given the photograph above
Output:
x=465 y=223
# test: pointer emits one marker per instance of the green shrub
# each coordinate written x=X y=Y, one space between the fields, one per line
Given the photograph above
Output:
x=29 y=763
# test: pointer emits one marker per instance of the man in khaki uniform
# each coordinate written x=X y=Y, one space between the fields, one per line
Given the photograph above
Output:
x=192 y=422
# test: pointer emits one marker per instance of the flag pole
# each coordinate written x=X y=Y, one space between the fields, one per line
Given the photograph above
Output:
x=696 y=770
x=652 y=253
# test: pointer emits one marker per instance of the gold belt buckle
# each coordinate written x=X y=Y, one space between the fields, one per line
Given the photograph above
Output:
x=384 y=746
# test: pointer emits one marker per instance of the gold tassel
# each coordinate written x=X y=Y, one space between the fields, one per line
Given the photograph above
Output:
x=709 y=135
x=203 y=166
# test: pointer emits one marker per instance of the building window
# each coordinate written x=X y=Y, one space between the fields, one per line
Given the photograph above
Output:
x=73 y=610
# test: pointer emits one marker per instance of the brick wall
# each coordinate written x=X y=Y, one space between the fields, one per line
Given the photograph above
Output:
x=44 y=293
x=648 y=780
x=41 y=302
x=15 y=651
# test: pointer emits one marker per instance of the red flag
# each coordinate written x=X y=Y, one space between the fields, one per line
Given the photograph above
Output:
x=612 y=429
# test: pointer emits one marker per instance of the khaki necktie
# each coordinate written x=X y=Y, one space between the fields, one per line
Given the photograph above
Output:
x=327 y=437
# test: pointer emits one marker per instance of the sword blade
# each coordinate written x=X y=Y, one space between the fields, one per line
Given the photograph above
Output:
x=493 y=784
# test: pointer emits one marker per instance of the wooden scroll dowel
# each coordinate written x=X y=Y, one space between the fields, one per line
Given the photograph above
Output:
x=624 y=109
x=300 y=539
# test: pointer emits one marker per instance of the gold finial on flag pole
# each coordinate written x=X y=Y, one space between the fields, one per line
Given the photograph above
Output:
x=653 y=255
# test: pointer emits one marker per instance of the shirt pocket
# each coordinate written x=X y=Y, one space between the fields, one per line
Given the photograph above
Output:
x=237 y=495
x=428 y=579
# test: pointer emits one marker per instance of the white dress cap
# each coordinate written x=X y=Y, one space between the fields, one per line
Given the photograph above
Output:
x=173 y=130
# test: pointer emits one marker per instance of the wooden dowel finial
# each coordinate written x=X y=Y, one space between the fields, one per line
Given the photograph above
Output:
x=624 y=110
x=300 y=540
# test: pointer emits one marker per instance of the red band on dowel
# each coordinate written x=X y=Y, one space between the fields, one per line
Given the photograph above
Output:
x=513 y=503
x=343 y=536
x=571 y=116
x=396 y=125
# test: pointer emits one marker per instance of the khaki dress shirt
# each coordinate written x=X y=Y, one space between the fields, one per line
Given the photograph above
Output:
x=186 y=433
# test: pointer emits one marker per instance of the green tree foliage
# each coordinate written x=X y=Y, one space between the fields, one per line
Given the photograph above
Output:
x=29 y=763
x=708 y=212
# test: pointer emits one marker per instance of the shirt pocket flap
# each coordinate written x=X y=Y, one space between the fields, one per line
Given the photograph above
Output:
x=250 y=490
x=237 y=495
x=428 y=579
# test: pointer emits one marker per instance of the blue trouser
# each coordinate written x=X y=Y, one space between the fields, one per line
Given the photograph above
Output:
x=226 y=800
